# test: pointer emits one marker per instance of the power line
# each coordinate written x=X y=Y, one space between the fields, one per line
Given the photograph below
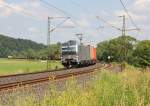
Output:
x=99 y=18
x=53 y=6
x=108 y=23
x=111 y=25
x=126 y=2
x=79 y=5
x=58 y=25
x=74 y=22
x=85 y=9
x=72 y=19
x=124 y=48
x=125 y=9
x=60 y=10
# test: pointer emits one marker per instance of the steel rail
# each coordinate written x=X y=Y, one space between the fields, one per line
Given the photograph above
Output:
x=13 y=75
x=14 y=85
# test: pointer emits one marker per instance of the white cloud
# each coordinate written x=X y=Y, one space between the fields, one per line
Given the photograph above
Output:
x=141 y=3
x=9 y=9
x=30 y=8
x=3 y=10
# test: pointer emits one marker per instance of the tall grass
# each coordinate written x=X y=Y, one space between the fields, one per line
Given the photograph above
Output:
x=129 y=88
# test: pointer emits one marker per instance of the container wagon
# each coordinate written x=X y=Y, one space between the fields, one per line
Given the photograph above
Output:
x=77 y=55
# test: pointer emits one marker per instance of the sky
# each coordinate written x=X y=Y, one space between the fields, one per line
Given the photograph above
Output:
x=27 y=19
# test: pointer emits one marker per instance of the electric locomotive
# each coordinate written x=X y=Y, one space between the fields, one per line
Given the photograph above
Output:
x=74 y=54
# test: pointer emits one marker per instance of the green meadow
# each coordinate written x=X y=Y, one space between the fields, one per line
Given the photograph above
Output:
x=13 y=66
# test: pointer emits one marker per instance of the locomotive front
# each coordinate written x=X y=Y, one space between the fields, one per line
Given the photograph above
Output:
x=69 y=53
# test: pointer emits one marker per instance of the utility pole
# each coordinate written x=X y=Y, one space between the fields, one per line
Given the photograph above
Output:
x=48 y=44
x=124 y=42
x=124 y=46
x=123 y=58
x=50 y=30
x=124 y=30
x=80 y=36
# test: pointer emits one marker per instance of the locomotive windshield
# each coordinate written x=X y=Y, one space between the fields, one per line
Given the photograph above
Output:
x=69 y=48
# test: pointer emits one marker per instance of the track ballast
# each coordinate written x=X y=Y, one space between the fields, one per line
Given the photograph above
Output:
x=14 y=81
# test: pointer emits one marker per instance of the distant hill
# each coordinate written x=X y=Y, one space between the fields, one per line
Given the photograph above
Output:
x=13 y=47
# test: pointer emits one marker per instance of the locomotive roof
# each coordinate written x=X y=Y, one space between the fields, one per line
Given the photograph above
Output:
x=71 y=42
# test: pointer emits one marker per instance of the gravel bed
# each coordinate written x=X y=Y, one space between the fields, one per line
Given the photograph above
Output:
x=24 y=77
x=38 y=91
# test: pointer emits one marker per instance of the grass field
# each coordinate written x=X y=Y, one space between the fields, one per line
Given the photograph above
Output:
x=13 y=66
x=128 y=88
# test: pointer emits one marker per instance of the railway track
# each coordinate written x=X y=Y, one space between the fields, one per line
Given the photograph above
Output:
x=14 y=81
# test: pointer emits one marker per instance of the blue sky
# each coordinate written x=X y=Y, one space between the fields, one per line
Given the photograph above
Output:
x=28 y=19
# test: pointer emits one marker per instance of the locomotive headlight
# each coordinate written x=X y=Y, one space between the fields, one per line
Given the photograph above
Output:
x=77 y=56
x=61 y=58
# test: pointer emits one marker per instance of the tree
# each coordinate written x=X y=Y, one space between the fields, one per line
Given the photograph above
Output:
x=18 y=48
x=113 y=49
x=142 y=54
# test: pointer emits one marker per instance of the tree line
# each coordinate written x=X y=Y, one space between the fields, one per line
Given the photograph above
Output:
x=26 y=49
x=137 y=52
x=127 y=49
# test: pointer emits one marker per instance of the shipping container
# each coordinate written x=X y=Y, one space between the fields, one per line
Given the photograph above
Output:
x=94 y=54
x=91 y=52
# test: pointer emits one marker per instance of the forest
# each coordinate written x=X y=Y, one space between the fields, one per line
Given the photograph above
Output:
x=26 y=49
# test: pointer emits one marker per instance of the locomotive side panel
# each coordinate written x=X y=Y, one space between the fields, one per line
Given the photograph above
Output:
x=83 y=53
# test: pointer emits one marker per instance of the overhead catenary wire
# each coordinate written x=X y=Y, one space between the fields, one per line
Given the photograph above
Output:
x=126 y=2
x=53 y=6
x=60 y=10
x=80 y=6
x=72 y=18
x=67 y=14
x=108 y=23
x=99 y=18
x=58 y=25
x=88 y=11
x=131 y=19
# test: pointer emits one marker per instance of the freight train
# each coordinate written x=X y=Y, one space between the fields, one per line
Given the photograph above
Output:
x=77 y=55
